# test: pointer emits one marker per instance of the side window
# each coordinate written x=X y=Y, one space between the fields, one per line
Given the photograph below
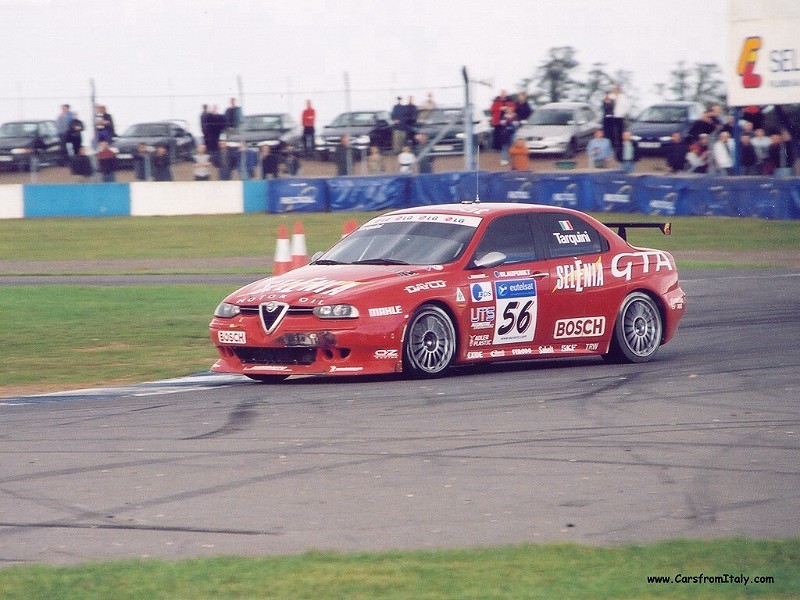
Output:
x=511 y=235
x=569 y=235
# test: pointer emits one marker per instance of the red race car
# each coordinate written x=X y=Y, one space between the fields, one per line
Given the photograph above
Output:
x=421 y=289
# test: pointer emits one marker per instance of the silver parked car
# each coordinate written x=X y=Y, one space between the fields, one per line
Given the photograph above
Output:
x=562 y=128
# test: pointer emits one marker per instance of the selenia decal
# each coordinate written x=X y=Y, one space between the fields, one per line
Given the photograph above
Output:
x=516 y=308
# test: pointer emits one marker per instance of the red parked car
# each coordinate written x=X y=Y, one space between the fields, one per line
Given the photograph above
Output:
x=421 y=289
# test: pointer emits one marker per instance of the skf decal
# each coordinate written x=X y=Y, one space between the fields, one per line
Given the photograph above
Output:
x=747 y=63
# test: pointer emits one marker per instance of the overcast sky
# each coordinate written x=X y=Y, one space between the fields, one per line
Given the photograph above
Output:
x=153 y=59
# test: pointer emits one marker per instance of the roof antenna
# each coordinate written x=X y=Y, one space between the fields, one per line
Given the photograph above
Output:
x=477 y=169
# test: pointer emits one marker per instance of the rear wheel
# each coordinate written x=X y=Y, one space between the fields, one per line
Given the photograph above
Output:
x=637 y=331
x=430 y=343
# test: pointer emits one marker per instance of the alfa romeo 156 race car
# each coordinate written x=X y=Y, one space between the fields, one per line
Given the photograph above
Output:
x=421 y=289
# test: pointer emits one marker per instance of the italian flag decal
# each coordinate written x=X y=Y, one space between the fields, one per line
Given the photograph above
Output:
x=565 y=225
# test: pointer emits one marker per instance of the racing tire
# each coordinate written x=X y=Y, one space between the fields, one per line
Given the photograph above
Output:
x=430 y=342
x=267 y=378
x=637 y=330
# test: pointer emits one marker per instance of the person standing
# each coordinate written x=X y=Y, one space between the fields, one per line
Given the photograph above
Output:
x=628 y=153
x=308 y=118
x=162 y=164
x=375 y=163
x=747 y=155
x=782 y=154
x=215 y=125
x=142 y=163
x=106 y=162
x=519 y=156
x=424 y=159
x=233 y=115
x=398 y=133
x=406 y=160
x=761 y=144
x=507 y=128
x=63 y=124
x=270 y=163
x=621 y=108
x=497 y=111
x=103 y=125
x=676 y=153
x=202 y=164
x=599 y=150
x=722 y=153
x=75 y=134
x=204 y=122
x=523 y=108
x=343 y=156
x=225 y=160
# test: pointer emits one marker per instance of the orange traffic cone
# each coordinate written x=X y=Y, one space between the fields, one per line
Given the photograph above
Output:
x=299 y=253
x=283 y=261
x=349 y=227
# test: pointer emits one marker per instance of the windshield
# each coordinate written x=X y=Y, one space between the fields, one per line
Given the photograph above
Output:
x=18 y=129
x=355 y=119
x=441 y=116
x=418 y=239
x=147 y=130
x=663 y=114
x=552 y=116
x=262 y=122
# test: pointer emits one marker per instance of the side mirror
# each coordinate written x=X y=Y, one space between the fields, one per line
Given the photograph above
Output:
x=489 y=260
x=316 y=256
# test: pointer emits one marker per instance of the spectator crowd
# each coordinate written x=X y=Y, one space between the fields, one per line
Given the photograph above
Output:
x=713 y=145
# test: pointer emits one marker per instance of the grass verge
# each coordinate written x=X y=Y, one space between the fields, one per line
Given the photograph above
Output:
x=515 y=572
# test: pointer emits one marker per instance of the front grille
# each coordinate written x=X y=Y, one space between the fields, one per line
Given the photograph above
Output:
x=272 y=313
x=276 y=356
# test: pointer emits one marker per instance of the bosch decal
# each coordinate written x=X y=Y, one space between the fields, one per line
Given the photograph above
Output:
x=581 y=327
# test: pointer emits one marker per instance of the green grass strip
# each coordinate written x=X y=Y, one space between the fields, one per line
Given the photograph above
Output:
x=517 y=572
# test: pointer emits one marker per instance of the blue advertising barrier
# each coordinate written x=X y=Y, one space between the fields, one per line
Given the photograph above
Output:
x=568 y=190
x=380 y=192
x=713 y=196
x=762 y=197
x=444 y=188
x=514 y=186
x=614 y=192
x=659 y=195
x=77 y=200
x=297 y=195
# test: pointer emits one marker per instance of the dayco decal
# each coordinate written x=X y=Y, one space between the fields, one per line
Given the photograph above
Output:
x=318 y=285
x=428 y=285
x=579 y=275
x=385 y=311
x=581 y=327
x=622 y=264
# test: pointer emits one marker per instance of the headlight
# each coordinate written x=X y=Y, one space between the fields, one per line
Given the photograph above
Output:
x=319 y=141
x=336 y=311
x=665 y=138
x=460 y=135
x=226 y=311
x=362 y=139
x=636 y=138
x=20 y=151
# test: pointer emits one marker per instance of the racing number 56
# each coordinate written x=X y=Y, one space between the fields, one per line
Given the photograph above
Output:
x=513 y=319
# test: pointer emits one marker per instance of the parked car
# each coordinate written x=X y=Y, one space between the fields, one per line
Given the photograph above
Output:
x=421 y=289
x=561 y=128
x=652 y=129
x=447 y=124
x=20 y=141
x=366 y=128
x=272 y=129
x=174 y=134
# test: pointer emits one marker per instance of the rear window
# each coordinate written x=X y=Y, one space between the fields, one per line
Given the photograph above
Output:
x=570 y=235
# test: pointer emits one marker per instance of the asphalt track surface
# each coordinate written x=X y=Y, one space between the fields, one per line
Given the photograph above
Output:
x=701 y=443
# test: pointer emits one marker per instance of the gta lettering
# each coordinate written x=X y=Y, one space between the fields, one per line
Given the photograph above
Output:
x=518 y=320
x=428 y=285
x=581 y=327
x=622 y=264
x=579 y=275
x=573 y=238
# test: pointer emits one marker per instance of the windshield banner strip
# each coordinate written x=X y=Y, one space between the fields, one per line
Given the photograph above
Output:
x=466 y=220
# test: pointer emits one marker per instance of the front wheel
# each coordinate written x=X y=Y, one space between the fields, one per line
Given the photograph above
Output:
x=637 y=330
x=430 y=343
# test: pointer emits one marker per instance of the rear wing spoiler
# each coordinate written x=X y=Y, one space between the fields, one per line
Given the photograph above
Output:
x=666 y=228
